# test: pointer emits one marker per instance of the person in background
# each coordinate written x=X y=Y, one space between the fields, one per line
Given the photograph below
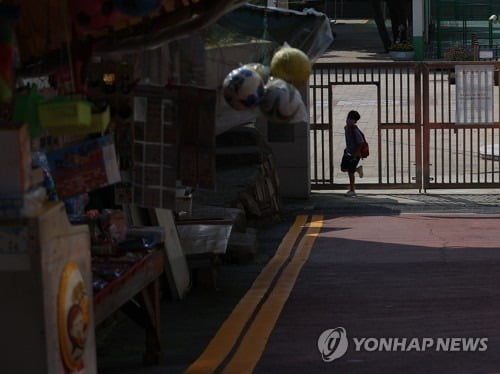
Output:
x=352 y=155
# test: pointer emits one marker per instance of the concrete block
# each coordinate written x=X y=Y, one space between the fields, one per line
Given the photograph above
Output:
x=292 y=155
x=295 y=182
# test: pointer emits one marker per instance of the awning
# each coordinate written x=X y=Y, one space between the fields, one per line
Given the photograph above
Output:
x=45 y=27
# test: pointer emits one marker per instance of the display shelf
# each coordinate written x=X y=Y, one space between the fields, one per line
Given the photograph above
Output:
x=141 y=283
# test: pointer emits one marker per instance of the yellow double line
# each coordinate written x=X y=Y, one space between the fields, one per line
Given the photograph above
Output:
x=253 y=342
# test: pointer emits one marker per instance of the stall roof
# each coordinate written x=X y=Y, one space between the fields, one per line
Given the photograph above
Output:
x=45 y=26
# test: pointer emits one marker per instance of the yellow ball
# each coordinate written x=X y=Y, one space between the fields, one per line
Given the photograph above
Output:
x=291 y=65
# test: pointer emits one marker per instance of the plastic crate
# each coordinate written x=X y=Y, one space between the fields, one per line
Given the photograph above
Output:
x=98 y=124
x=65 y=114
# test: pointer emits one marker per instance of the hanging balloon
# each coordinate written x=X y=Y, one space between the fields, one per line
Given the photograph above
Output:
x=292 y=65
x=137 y=8
x=281 y=101
x=243 y=88
x=92 y=14
x=263 y=70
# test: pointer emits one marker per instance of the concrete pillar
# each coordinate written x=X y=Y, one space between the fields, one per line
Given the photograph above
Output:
x=418 y=28
x=290 y=145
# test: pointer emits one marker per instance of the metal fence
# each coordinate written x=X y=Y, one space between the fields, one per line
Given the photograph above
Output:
x=384 y=93
x=455 y=155
x=409 y=116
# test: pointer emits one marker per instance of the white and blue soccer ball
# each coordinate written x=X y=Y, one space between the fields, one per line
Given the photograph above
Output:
x=243 y=88
x=282 y=101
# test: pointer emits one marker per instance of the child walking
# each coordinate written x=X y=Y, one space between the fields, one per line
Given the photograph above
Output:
x=352 y=155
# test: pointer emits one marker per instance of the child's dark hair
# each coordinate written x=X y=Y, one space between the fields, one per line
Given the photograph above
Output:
x=353 y=115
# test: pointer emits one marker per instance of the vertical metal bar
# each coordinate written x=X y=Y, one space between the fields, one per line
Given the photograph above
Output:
x=401 y=129
x=331 y=80
x=464 y=147
x=322 y=97
x=408 y=120
x=486 y=158
x=408 y=152
x=498 y=160
x=394 y=156
x=423 y=162
x=401 y=173
x=435 y=96
x=449 y=155
x=323 y=120
x=449 y=98
x=456 y=155
x=327 y=96
x=379 y=132
x=315 y=152
x=322 y=133
x=393 y=94
x=435 y=155
x=442 y=155
x=408 y=106
x=387 y=165
x=442 y=96
x=386 y=95
x=471 y=162
x=401 y=95
x=478 y=158
x=492 y=163
x=330 y=131
x=386 y=131
x=492 y=154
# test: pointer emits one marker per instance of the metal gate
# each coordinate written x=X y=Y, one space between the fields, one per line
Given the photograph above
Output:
x=456 y=156
x=408 y=116
x=385 y=94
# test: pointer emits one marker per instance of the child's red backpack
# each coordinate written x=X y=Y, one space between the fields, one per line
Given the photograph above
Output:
x=365 y=149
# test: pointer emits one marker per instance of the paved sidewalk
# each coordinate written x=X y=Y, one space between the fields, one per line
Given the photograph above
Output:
x=399 y=201
x=355 y=41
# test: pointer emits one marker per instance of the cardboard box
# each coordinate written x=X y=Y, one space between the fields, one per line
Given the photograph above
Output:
x=15 y=159
x=84 y=167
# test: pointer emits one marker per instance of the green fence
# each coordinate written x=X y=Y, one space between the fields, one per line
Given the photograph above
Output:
x=456 y=22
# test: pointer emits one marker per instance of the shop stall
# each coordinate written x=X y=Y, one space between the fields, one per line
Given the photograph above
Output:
x=92 y=154
x=107 y=125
